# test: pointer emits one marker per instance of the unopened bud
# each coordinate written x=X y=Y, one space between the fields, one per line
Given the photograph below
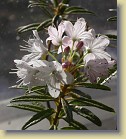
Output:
x=79 y=45
x=66 y=64
x=67 y=50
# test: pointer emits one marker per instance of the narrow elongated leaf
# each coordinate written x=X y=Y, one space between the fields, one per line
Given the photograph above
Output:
x=27 y=107
x=65 y=1
x=28 y=27
x=38 y=117
x=94 y=86
x=44 y=24
x=55 y=3
x=53 y=127
x=41 y=90
x=69 y=128
x=67 y=110
x=77 y=10
x=78 y=92
x=76 y=125
x=112 y=72
x=90 y=102
x=112 y=37
x=81 y=78
x=114 y=18
x=109 y=78
x=88 y=115
x=47 y=12
x=39 y=4
x=32 y=98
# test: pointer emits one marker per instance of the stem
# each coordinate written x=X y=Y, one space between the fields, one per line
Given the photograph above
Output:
x=55 y=3
x=52 y=56
x=72 y=49
x=57 y=114
x=59 y=107
x=81 y=58
x=48 y=104
x=79 y=66
x=49 y=47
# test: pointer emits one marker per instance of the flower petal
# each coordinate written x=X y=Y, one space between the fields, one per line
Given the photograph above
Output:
x=61 y=29
x=101 y=42
x=79 y=28
x=52 y=32
x=69 y=28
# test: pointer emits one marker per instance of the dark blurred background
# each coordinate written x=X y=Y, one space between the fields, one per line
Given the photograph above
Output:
x=15 y=13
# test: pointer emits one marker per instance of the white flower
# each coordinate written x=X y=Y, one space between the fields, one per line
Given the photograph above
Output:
x=96 y=48
x=56 y=35
x=35 y=47
x=27 y=74
x=53 y=74
x=66 y=42
x=78 y=30
x=98 y=68
x=75 y=33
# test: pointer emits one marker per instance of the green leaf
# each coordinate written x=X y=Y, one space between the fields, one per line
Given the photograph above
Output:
x=80 y=93
x=109 y=78
x=112 y=37
x=69 y=128
x=37 y=4
x=81 y=78
x=28 y=107
x=29 y=27
x=47 y=12
x=67 y=110
x=114 y=18
x=65 y=1
x=41 y=90
x=38 y=117
x=90 y=102
x=55 y=3
x=94 y=86
x=41 y=98
x=112 y=72
x=55 y=20
x=76 y=125
x=40 y=3
x=44 y=24
x=88 y=115
x=77 y=10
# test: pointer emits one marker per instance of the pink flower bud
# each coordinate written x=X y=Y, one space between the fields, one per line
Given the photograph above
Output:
x=67 y=50
x=79 y=45
x=66 y=64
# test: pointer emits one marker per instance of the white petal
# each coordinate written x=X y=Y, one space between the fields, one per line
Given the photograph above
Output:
x=36 y=34
x=22 y=64
x=53 y=92
x=56 y=42
x=59 y=50
x=57 y=66
x=102 y=54
x=52 y=32
x=80 y=27
x=67 y=77
x=89 y=57
x=92 y=31
x=54 y=87
x=92 y=77
x=101 y=42
x=61 y=29
x=69 y=28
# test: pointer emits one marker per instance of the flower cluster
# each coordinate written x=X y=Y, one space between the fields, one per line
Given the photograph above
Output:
x=81 y=52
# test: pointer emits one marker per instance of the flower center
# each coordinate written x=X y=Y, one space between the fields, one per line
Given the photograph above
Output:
x=89 y=50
